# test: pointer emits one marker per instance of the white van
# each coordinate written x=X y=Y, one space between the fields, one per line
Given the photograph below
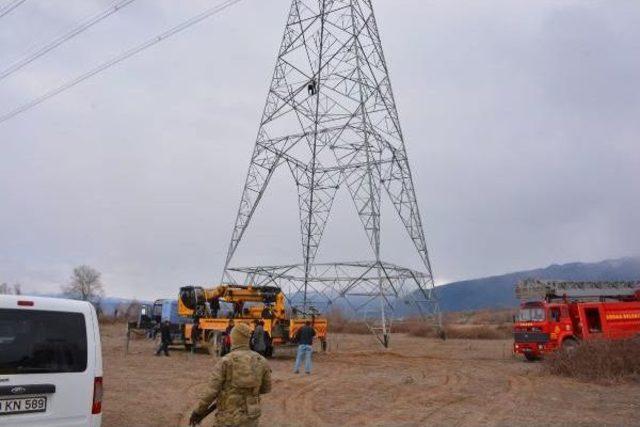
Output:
x=50 y=362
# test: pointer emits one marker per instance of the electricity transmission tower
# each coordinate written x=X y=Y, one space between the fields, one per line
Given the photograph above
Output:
x=331 y=119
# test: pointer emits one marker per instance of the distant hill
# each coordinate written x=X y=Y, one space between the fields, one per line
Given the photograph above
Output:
x=488 y=292
x=498 y=291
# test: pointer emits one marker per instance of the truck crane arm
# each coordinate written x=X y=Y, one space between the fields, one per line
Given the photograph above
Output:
x=533 y=289
x=192 y=299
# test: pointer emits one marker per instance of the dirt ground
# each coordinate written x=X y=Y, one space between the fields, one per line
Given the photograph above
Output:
x=417 y=382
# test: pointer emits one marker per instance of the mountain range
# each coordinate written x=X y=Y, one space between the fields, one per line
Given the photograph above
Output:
x=494 y=291
x=498 y=291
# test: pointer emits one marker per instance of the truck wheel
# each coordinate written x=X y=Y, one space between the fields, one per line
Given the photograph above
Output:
x=569 y=345
x=213 y=344
x=531 y=357
x=187 y=347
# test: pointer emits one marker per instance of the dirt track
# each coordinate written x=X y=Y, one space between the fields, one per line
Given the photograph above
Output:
x=417 y=382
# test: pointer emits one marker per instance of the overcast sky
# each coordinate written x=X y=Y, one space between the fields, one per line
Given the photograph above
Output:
x=521 y=121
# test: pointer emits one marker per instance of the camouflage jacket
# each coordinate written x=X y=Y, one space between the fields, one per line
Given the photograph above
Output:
x=237 y=381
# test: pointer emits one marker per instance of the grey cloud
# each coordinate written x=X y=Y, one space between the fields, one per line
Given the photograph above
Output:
x=520 y=119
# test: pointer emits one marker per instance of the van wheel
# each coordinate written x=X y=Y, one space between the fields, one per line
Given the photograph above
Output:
x=531 y=357
x=569 y=345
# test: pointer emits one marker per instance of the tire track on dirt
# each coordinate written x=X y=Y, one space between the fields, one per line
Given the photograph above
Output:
x=426 y=387
x=519 y=390
x=298 y=397
x=515 y=389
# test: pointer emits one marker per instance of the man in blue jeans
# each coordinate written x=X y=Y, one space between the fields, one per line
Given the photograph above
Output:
x=304 y=338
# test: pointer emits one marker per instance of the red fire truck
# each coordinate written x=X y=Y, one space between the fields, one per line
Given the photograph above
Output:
x=556 y=315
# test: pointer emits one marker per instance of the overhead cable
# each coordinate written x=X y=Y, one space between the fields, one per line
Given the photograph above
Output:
x=89 y=22
x=10 y=6
x=116 y=60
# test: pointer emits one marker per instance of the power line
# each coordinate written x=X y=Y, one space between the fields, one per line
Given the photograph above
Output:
x=116 y=60
x=9 y=7
x=64 y=37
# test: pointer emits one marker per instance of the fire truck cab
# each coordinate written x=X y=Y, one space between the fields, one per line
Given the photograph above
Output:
x=585 y=310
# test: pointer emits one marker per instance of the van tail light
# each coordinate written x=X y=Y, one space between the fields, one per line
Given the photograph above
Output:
x=96 y=408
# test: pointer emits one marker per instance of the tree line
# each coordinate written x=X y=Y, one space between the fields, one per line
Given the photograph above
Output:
x=85 y=284
x=7 y=289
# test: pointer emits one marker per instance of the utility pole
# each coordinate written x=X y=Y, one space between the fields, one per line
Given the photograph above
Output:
x=331 y=119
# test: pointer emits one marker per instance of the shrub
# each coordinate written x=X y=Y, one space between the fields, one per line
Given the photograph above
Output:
x=598 y=361
x=480 y=317
x=478 y=332
x=339 y=323
x=423 y=330
x=473 y=332
x=465 y=329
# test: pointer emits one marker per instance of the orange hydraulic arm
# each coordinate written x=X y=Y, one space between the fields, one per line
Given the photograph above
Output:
x=192 y=299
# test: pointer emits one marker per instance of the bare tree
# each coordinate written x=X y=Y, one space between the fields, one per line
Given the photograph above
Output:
x=85 y=284
x=17 y=289
x=4 y=289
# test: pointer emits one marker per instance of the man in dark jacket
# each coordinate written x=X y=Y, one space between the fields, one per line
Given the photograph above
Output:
x=165 y=338
x=258 y=343
x=304 y=338
x=215 y=307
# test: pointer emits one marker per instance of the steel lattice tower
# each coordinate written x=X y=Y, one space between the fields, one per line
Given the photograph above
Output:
x=331 y=119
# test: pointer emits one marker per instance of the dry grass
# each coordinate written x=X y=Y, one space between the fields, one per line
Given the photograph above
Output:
x=105 y=319
x=598 y=361
x=476 y=326
x=472 y=383
x=472 y=332
x=341 y=324
x=479 y=332
x=480 y=317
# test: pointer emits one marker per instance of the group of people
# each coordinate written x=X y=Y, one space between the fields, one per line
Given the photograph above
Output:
x=259 y=341
x=239 y=378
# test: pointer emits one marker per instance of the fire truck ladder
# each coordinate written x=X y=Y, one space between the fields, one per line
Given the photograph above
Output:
x=530 y=289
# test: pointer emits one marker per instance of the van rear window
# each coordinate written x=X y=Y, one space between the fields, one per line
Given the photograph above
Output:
x=34 y=342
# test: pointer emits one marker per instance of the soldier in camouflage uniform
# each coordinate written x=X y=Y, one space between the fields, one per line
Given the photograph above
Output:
x=237 y=381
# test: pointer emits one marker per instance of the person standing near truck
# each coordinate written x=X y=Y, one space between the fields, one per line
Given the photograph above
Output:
x=165 y=338
x=258 y=343
x=304 y=338
x=215 y=307
x=226 y=338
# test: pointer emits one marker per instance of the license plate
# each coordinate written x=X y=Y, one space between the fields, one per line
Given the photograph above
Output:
x=23 y=405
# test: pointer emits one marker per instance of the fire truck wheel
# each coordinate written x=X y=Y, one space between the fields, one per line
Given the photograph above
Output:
x=569 y=345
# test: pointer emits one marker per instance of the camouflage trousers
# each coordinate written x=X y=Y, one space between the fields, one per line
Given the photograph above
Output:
x=249 y=423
